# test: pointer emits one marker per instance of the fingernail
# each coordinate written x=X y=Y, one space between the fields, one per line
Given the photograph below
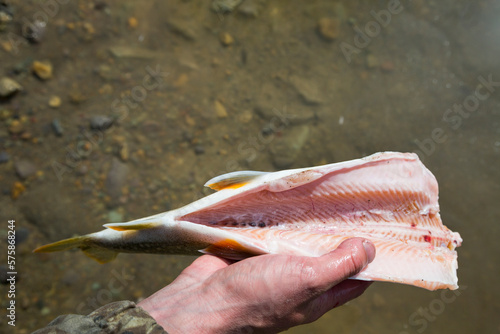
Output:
x=369 y=249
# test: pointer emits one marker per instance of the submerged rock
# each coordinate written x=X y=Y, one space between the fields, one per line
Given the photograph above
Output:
x=329 y=28
x=6 y=15
x=116 y=180
x=286 y=149
x=307 y=89
x=250 y=8
x=3 y=274
x=182 y=28
x=57 y=127
x=220 y=110
x=226 y=39
x=16 y=127
x=100 y=122
x=55 y=102
x=4 y=157
x=225 y=6
x=22 y=233
x=24 y=169
x=34 y=32
x=133 y=52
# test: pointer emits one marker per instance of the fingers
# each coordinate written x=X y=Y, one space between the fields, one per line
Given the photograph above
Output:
x=336 y=296
x=347 y=260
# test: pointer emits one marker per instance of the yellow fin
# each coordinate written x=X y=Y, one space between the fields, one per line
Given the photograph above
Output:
x=101 y=255
x=76 y=242
x=230 y=249
x=232 y=180
x=131 y=226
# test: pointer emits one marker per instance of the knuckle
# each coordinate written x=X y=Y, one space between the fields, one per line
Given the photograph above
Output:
x=354 y=264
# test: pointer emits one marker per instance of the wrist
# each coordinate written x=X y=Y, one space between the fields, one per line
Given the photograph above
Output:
x=191 y=310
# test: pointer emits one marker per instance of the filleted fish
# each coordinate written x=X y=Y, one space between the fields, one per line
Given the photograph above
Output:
x=389 y=198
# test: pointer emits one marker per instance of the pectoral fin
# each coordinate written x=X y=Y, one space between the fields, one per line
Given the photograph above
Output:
x=232 y=180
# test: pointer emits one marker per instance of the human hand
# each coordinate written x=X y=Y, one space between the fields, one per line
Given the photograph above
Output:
x=262 y=294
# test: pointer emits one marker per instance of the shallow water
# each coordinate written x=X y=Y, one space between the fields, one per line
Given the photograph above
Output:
x=401 y=78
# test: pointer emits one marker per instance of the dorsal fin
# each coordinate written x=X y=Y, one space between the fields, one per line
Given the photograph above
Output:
x=131 y=226
x=232 y=180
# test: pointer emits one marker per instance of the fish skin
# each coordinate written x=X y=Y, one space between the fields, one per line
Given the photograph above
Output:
x=389 y=198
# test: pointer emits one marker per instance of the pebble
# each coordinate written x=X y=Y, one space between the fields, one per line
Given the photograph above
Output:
x=22 y=233
x=307 y=89
x=45 y=311
x=181 y=81
x=34 y=32
x=133 y=52
x=5 y=15
x=42 y=69
x=151 y=126
x=387 y=66
x=8 y=87
x=246 y=116
x=371 y=61
x=16 y=127
x=226 y=39
x=70 y=278
x=124 y=152
x=5 y=114
x=56 y=126
x=76 y=96
x=133 y=22
x=17 y=189
x=182 y=28
x=199 y=149
x=249 y=8
x=24 y=169
x=100 y=122
x=4 y=157
x=54 y=102
x=225 y=6
x=328 y=28
x=82 y=169
x=267 y=130
x=220 y=110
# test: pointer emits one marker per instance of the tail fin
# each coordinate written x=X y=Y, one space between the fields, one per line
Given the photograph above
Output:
x=76 y=242
x=99 y=254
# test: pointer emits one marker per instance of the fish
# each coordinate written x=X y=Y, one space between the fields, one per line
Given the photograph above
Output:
x=389 y=198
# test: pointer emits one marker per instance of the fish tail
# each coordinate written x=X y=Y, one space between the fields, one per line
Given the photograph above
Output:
x=62 y=245
x=101 y=255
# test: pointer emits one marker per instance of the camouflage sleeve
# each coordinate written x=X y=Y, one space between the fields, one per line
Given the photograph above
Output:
x=118 y=317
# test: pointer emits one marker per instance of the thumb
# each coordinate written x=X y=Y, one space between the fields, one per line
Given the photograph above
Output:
x=203 y=267
x=348 y=259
